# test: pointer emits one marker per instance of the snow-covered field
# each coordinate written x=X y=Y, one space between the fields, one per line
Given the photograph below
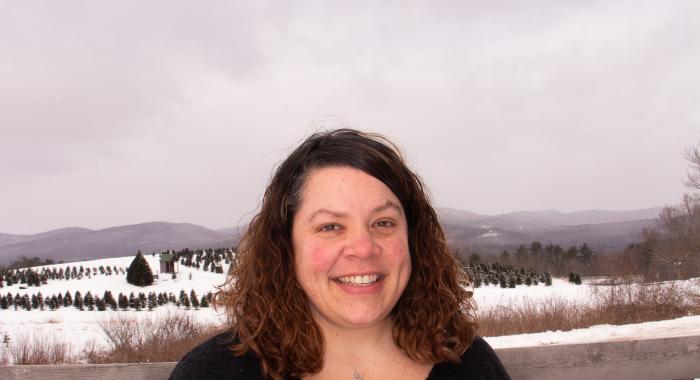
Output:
x=83 y=328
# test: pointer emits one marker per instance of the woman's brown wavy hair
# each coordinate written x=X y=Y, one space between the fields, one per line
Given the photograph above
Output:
x=267 y=310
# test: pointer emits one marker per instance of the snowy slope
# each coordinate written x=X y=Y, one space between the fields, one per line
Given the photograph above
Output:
x=83 y=327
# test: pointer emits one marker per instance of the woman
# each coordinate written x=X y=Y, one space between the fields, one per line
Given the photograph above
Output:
x=344 y=274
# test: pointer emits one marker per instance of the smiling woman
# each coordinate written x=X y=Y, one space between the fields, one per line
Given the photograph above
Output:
x=344 y=274
x=350 y=248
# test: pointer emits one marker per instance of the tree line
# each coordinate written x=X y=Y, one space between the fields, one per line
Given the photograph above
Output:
x=205 y=259
x=484 y=273
x=668 y=251
x=92 y=302
x=671 y=250
x=32 y=277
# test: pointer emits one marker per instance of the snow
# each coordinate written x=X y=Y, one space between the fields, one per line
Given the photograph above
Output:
x=83 y=328
x=490 y=296
x=685 y=326
x=201 y=281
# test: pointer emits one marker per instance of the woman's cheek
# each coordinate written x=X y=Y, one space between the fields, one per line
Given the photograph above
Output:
x=396 y=248
x=321 y=260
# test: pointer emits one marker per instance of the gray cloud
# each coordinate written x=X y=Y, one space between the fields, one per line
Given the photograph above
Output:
x=120 y=113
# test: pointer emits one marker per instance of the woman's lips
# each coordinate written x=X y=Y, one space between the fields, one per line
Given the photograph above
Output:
x=359 y=280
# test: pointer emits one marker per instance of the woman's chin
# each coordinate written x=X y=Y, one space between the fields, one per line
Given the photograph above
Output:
x=359 y=319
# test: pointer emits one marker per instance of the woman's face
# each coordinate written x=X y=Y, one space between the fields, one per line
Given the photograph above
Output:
x=350 y=244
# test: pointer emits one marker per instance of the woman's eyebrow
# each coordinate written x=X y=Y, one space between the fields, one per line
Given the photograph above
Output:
x=387 y=205
x=326 y=211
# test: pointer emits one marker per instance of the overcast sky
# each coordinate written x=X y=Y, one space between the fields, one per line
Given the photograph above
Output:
x=122 y=112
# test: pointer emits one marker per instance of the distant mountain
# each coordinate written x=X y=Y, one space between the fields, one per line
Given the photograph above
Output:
x=602 y=230
x=536 y=220
x=236 y=232
x=72 y=244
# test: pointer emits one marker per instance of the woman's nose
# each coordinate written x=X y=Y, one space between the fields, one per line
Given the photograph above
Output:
x=361 y=244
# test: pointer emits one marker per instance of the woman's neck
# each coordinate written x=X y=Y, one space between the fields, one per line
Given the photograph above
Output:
x=357 y=343
x=366 y=353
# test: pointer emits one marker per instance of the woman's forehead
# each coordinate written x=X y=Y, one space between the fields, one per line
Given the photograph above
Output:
x=338 y=189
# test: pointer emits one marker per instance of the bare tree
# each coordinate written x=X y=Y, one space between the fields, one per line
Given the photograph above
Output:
x=675 y=243
x=693 y=157
x=678 y=238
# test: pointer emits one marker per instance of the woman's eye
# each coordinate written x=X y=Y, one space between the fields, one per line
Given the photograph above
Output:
x=329 y=227
x=385 y=223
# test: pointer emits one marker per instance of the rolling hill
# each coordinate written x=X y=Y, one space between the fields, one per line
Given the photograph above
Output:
x=602 y=230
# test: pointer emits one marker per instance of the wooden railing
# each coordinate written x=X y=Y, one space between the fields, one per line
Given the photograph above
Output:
x=666 y=358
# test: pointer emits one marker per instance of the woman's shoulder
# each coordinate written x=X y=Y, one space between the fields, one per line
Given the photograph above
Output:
x=214 y=359
x=478 y=362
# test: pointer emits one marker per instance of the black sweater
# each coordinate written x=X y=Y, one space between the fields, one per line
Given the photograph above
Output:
x=213 y=360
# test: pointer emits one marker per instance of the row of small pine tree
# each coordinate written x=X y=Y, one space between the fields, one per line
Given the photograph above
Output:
x=504 y=275
x=32 y=277
x=508 y=275
x=205 y=259
x=93 y=302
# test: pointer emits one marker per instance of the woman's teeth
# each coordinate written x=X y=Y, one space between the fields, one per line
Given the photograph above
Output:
x=359 y=280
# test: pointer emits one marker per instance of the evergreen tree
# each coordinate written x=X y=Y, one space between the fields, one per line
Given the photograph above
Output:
x=109 y=299
x=204 y=302
x=152 y=301
x=123 y=302
x=100 y=303
x=53 y=303
x=194 y=299
x=78 y=300
x=4 y=304
x=67 y=300
x=89 y=301
x=35 y=302
x=184 y=299
x=577 y=279
x=142 y=301
x=586 y=253
x=139 y=272
x=133 y=301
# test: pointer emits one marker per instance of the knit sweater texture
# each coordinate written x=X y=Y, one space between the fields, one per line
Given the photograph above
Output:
x=214 y=361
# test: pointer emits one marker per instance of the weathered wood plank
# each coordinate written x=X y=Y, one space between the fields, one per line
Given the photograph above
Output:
x=667 y=358
x=124 y=371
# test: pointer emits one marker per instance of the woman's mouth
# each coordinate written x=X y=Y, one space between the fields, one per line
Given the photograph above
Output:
x=363 y=280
